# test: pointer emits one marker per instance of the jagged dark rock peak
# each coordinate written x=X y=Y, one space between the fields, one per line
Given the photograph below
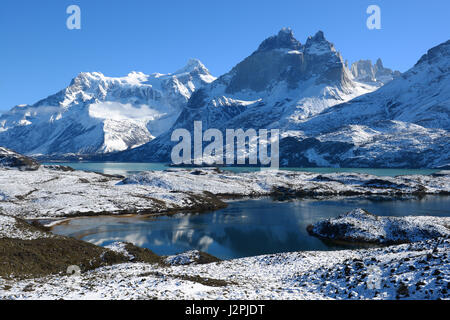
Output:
x=283 y=40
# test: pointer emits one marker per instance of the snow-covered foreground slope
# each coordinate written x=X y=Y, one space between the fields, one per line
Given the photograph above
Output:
x=361 y=226
x=14 y=228
x=419 y=270
x=59 y=192
x=98 y=114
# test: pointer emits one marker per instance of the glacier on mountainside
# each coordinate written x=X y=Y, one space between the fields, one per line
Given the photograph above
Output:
x=99 y=114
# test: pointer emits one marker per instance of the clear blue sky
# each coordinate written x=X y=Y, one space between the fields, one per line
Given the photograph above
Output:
x=39 y=55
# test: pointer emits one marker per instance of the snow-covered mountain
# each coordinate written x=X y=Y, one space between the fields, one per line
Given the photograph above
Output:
x=304 y=91
x=374 y=74
x=328 y=115
x=99 y=114
x=280 y=85
x=405 y=123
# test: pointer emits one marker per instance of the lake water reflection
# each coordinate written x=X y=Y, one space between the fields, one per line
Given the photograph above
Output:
x=245 y=228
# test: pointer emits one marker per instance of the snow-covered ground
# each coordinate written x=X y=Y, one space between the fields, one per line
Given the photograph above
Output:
x=182 y=259
x=419 y=270
x=268 y=181
x=13 y=228
x=120 y=247
x=47 y=193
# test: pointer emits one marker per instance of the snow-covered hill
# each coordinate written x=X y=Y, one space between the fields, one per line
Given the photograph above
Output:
x=280 y=85
x=98 y=114
x=13 y=160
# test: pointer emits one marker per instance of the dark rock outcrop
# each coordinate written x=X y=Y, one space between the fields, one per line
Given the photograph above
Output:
x=11 y=159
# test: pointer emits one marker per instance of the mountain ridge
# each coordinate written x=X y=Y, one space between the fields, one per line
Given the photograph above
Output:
x=364 y=71
x=279 y=85
x=97 y=114
x=328 y=115
x=404 y=123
